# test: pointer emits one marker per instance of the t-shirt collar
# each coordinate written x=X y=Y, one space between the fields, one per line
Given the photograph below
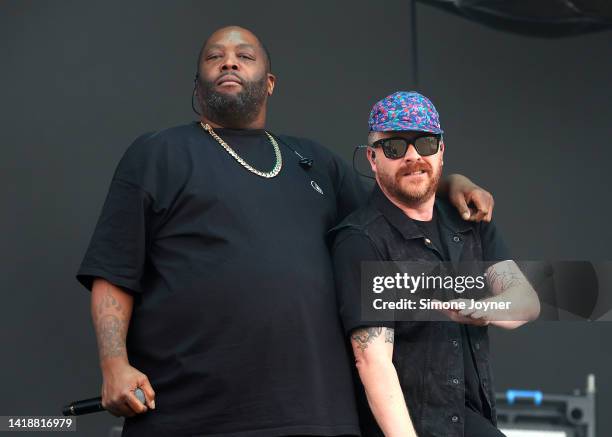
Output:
x=406 y=226
x=238 y=132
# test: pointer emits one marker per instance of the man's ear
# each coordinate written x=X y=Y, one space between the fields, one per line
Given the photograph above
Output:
x=371 y=154
x=271 y=83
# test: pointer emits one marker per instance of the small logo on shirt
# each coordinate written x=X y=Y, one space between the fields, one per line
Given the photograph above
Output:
x=314 y=185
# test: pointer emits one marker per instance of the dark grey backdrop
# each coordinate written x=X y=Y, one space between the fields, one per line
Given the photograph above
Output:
x=529 y=119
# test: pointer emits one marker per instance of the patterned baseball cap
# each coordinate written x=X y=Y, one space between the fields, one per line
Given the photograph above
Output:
x=403 y=111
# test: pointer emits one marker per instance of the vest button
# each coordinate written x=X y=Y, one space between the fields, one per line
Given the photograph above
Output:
x=456 y=239
x=427 y=241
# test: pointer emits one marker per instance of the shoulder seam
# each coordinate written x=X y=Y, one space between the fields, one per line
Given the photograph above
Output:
x=132 y=184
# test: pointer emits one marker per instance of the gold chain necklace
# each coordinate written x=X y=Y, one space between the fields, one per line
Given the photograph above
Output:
x=269 y=174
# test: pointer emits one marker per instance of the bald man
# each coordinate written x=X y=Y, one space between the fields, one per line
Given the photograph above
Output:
x=212 y=286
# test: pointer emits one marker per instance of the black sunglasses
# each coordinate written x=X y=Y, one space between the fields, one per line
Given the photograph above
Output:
x=396 y=147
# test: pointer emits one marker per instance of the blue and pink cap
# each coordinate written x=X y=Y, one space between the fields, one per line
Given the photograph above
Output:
x=405 y=111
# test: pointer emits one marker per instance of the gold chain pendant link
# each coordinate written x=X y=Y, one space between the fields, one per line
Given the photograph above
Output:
x=277 y=153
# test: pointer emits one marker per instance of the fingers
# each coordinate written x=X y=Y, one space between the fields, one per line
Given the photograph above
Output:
x=468 y=319
x=463 y=192
x=118 y=391
x=124 y=404
x=483 y=201
x=479 y=321
x=127 y=411
x=118 y=407
x=467 y=311
x=478 y=315
x=113 y=406
x=489 y=215
x=458 y=199
x=134 y=403
x=476 y=321
x=145 y=386
x=476 y=215
x=478 y=318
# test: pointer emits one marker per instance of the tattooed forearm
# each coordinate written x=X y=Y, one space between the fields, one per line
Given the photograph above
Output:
x=362 y=337
x=111 y=336
x=389 y=335
x=108 y=302
x=503 y=277
x=111 y=320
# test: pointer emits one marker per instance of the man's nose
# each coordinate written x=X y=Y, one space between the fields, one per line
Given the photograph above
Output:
x=411 y=153
x=229 y=63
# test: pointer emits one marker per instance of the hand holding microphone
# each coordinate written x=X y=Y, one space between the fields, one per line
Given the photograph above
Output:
x=93 y=405
x=125 y=392
x=111 y=309
x=120 y=382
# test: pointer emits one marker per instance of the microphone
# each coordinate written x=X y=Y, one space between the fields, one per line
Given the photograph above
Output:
x=93 y=405
x=305 y=163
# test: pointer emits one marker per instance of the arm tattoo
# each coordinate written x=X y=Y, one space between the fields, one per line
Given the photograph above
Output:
x=389 y=335
x=111 y=334
x=503 y=277
x=108 y=302
x=365 y=336
x=110 y=327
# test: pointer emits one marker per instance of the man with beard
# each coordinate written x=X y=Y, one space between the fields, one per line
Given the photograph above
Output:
x=210 y=275
x=418 y=377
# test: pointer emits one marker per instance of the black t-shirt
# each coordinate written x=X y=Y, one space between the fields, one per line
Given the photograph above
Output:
x=235 y=319
x=355 y=247
x=431 y=230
